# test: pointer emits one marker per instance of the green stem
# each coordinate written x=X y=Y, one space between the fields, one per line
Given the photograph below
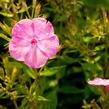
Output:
x=101 y=91
x=33 y=7
x=15 y=104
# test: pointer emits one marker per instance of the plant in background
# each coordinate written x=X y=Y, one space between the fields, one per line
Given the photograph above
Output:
x=83 y=29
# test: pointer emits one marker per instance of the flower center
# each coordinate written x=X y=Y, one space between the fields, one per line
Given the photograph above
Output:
x=33 y=41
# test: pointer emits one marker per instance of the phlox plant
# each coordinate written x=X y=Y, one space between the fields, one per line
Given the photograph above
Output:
x=54 y=54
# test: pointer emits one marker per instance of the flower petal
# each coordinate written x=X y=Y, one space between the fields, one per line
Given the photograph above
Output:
x=99 y=81
x=20 y=42
x=16 y=51
x=49 y=46
x=42 y=29
x=35 y=58
x=107 y=88
x=23 y=29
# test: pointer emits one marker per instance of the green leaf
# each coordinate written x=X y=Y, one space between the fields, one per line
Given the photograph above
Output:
x=96 y=3
x=41 y=98
x=2 y=94
x=91 y=67
x=21 y=10
x=70 y=89
x=68 y=60
x=94 y=89
x=51 y=71
x=1 y=73
x=51 y=96
x=31 y=73
x=53 y=83
x=33 y=88
x=5 y=28
x=24 y=103
x=100 y=47
x=4 y=37
x=6 y=14
x=87 y=39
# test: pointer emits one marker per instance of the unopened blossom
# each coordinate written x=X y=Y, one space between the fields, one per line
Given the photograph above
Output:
x=33 y=41
x=99 y=81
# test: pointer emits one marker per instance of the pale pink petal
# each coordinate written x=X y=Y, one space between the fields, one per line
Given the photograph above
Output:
x=42 y=28
x=35 y=58
x=49 y=46
x=20 y=42
x=18 y=52
x=99 y=81
x=23 y=29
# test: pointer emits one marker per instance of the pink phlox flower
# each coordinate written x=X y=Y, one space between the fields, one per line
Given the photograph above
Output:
x=33 y=41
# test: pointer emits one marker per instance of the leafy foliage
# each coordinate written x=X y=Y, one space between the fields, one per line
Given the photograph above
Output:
x=83 y=29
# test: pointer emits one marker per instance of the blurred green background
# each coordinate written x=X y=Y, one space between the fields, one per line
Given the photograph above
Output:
x=83 y=30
